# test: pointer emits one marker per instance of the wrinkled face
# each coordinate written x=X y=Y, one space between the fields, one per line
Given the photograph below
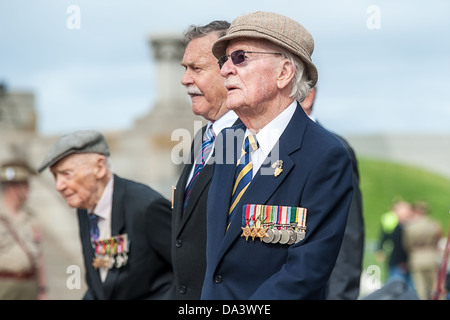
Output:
x=252 y=83
x=76 y=178
x=202 y=78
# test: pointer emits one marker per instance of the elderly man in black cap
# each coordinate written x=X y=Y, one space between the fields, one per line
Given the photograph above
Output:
x=276 y=216
x=125 y=226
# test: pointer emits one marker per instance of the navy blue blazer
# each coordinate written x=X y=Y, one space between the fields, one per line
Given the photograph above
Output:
x=317 y=175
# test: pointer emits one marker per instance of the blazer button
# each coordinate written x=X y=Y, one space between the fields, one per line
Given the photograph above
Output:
x=218 y=279
x=182 y=290
x=178 y=243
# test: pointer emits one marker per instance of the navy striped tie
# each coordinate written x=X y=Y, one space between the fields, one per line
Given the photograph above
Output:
x=244 y=174
x=208 y=140
x=93 y=227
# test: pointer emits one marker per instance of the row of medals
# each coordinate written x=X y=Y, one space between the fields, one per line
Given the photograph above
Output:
x=109 y=261
x=269 y=233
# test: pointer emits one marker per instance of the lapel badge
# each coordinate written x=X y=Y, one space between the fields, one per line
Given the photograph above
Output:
x=278 y=166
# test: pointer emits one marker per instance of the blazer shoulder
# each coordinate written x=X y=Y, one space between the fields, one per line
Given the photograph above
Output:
x=136 y=189
x=326 y=138
x=341 y=139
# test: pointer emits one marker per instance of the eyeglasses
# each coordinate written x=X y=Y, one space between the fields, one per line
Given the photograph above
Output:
x=238 y=56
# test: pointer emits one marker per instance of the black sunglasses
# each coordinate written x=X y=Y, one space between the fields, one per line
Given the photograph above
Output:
x=238 y=57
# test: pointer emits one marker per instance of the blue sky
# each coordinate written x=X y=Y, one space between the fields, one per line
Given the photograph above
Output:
x=393 y=78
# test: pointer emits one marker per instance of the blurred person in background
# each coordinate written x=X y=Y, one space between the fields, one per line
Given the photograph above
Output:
x=22 y=275
x=421 y=235
x=447 y=284
x=390 y=245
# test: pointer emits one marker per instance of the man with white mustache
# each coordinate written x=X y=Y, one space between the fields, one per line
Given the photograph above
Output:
x=205 y=86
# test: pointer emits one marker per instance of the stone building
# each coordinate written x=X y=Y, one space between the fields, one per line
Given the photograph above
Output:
x=17 y=112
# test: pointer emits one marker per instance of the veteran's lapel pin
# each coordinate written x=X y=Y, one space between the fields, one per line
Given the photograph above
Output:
x=278 y=166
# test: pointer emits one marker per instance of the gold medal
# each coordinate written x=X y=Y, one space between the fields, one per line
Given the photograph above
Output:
x=96 y=262
x=262 y=233
x=101 y=262
x=253 y=232
x=245 y=232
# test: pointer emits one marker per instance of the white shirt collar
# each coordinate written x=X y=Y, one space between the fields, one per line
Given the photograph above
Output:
x=104 y=204
x=269 y=135
x=227 y=120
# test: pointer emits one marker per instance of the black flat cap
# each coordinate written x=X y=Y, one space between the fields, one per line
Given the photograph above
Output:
x=81 y=141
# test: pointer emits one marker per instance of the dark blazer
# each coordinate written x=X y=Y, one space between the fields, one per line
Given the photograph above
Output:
x=145 y=216
x=189 y=230
x=317 y=176
x=346 y=276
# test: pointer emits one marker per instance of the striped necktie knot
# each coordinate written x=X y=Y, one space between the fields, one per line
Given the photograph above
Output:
x=250 y=144
x=208 y=140
x=202 y=155
x=244 y=173
x=93 y=227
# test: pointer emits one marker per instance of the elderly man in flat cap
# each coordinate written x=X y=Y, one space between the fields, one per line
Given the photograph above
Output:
x=276 y=216
x=125 y=226
x=22 y=274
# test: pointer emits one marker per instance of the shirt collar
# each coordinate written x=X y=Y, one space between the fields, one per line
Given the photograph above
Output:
x=104 y=205
x=227 y=120
x=269 y=135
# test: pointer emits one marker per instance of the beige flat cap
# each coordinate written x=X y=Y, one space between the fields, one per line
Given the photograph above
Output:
x=82 y=141
x=278 y=29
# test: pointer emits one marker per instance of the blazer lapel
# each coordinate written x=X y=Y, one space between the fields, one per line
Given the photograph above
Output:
x=94 y=275
x=117 y=227
x=218 y=205
x=179 y=198
x=180 y=218
x=200 y=184
x=219 y=196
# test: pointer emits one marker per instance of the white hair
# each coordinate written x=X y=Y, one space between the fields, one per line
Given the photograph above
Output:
x=300 y=83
